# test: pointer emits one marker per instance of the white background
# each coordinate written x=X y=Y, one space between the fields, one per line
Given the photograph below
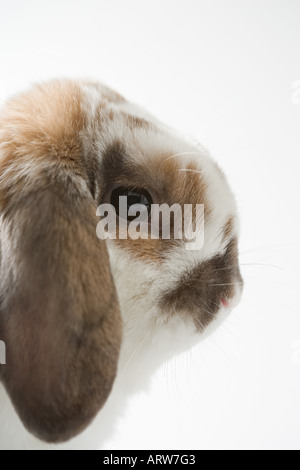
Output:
x=222 y=71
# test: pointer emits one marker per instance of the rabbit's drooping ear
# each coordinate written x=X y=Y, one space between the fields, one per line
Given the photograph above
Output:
x=59 y=313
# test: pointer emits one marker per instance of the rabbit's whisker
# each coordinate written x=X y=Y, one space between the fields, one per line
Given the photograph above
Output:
x=226 y=284
x=182 y=154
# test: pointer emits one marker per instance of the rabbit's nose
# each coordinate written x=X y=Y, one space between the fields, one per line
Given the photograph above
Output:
x=225 y=303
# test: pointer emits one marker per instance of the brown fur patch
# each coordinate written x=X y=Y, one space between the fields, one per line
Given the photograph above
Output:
x=41 y=127
x=44 y=123
x=199 y=292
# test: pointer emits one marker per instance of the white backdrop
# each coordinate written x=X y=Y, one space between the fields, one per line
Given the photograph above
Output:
x=226 y=73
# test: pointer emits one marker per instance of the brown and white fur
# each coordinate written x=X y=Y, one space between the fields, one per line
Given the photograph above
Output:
x=85 y=320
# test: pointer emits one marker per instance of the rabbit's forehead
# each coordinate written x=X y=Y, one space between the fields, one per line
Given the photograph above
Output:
x=132 y=148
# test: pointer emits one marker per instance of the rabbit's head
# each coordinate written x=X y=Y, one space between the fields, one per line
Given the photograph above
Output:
x=68 y=296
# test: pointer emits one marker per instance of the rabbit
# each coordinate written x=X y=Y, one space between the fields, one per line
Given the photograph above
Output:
x=86 y=321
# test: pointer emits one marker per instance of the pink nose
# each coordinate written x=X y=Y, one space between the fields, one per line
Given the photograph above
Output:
x=225 y=303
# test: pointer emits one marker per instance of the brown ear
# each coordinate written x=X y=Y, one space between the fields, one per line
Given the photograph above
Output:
x=59 y=313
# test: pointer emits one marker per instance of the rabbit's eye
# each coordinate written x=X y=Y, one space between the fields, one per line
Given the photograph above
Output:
x=137 y=196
